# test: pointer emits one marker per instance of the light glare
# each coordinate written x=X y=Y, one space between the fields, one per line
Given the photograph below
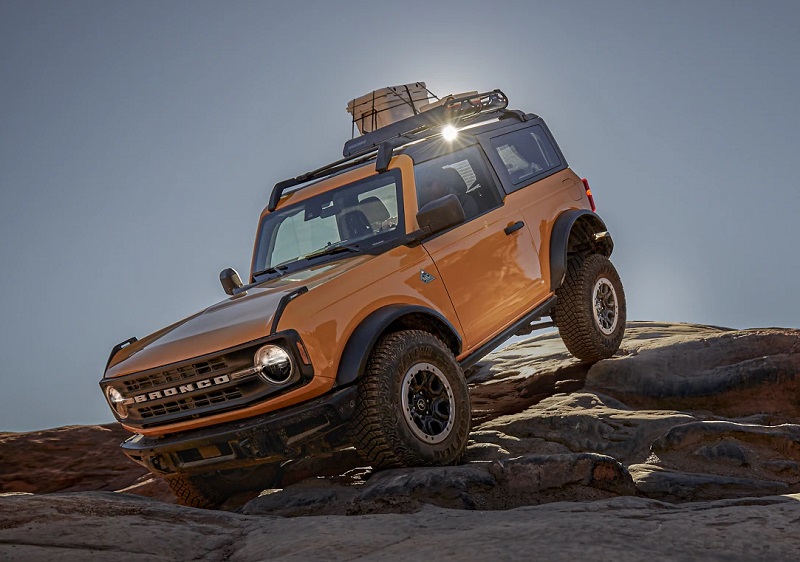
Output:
x=449 y=133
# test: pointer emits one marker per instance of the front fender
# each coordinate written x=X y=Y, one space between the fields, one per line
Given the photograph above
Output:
x=358 y=348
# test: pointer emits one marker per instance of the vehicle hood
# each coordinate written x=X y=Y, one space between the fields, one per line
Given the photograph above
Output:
x=234 y=321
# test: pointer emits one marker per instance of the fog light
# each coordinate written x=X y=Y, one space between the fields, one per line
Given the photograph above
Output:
x=275 y=364
x=117 y=402
x=449 y=133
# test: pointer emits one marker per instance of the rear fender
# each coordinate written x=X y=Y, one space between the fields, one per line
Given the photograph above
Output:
x=580 y=224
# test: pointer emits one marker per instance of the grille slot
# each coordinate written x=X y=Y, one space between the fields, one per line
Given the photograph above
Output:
x=179 y=374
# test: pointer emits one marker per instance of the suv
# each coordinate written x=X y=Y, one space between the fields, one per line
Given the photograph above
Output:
x=375 y=282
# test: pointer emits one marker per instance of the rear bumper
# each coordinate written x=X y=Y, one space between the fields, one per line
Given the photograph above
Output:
x=313 y=427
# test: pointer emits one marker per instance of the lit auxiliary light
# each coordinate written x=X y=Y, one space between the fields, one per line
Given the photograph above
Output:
x=449 y=133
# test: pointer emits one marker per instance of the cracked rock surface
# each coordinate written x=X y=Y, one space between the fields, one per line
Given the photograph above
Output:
x=103 y=526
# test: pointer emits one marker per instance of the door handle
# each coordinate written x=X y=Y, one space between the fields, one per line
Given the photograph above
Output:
x=513 y=227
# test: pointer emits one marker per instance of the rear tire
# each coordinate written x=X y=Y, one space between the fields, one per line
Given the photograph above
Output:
x=413 y=404
x=590 y=311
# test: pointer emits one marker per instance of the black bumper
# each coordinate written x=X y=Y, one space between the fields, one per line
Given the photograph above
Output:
x=313 y=427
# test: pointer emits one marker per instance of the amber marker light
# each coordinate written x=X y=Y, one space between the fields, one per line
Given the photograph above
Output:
x=301 y=349
x=589 y=194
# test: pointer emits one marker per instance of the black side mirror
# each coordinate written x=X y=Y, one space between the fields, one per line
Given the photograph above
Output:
x=230 y=280
x=441 y=214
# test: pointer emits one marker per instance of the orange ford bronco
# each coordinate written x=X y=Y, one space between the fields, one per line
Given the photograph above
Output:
x=375 y=282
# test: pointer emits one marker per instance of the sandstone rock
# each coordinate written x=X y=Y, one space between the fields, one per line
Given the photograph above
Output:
x=521 y=375
x=730 y=373
x=676 y=486
x=586 y=422
x=150 y=486
x=72 y=458
x=661 y=407
x=102 y=526
x=512 y=482
x=720 y=459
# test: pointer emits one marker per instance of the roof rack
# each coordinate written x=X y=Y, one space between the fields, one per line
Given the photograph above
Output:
x=453 y=111
x=387 y=105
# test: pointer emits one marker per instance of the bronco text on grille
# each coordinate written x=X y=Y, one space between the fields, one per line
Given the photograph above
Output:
x=182 y=389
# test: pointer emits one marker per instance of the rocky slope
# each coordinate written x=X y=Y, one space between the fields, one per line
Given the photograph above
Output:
x=103 y=526
x=700 y=417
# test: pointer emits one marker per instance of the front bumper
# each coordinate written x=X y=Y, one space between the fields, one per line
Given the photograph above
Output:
x=314 y=427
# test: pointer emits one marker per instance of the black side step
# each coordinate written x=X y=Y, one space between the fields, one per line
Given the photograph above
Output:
x=520 y=325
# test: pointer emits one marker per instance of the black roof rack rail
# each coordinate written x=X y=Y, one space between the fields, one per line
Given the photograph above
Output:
x=358 y=150
x=325 y=171
x=452 y=110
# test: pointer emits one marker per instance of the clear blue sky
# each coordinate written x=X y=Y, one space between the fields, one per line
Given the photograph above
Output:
x=139 y=141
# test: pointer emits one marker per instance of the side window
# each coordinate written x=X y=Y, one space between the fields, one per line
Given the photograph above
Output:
x=526 y=153
x=462 y=173
x=380 y=207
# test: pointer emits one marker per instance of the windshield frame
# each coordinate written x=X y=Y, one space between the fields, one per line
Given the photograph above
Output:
x=378 y=242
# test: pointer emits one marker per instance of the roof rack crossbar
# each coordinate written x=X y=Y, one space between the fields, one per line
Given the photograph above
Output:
x=452 y=110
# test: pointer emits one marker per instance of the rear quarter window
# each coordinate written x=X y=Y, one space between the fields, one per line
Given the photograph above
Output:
x=526 y=154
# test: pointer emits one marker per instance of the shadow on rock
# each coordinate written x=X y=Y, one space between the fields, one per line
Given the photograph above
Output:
x=506 y=484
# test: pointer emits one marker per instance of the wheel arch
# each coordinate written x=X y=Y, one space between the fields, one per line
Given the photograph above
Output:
x=574 y=233
x=389 y=319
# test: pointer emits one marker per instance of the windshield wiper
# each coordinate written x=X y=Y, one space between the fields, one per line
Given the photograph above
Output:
x=277 y=269
x=332 y=249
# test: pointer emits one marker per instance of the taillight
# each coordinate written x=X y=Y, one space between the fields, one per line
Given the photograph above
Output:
x=589 y=194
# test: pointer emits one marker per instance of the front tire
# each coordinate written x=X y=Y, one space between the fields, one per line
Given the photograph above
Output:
x=211 y=490
x=590 y=310
x=194 y=491
x=413 y=404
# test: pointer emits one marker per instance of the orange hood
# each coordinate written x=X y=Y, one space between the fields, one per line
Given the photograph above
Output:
x=234 y=321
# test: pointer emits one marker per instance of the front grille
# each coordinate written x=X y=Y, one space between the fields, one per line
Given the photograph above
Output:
x=203 y=386
x=172 y=393
x=200 y=369
x=190 y=402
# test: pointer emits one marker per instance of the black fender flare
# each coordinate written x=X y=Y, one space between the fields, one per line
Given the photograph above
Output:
x=559 y=241
x=365 y=336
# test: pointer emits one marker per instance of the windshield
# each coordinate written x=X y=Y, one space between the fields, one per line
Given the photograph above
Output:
x=357 y=217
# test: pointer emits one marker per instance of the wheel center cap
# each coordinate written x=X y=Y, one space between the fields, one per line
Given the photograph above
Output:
x=421 y=404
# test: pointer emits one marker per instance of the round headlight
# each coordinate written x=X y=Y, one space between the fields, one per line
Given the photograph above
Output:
x=275 y=364
x=117 y=402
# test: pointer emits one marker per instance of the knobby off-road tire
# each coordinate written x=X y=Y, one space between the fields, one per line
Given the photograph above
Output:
x=590 y=308
x=194 y=491
x=209 y=491
x=413 y=404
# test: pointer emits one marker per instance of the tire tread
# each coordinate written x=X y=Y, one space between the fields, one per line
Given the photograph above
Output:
x=573 y=312
x=374 y=431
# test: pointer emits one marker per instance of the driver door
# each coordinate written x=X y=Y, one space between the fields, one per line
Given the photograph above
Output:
x=488 y=264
